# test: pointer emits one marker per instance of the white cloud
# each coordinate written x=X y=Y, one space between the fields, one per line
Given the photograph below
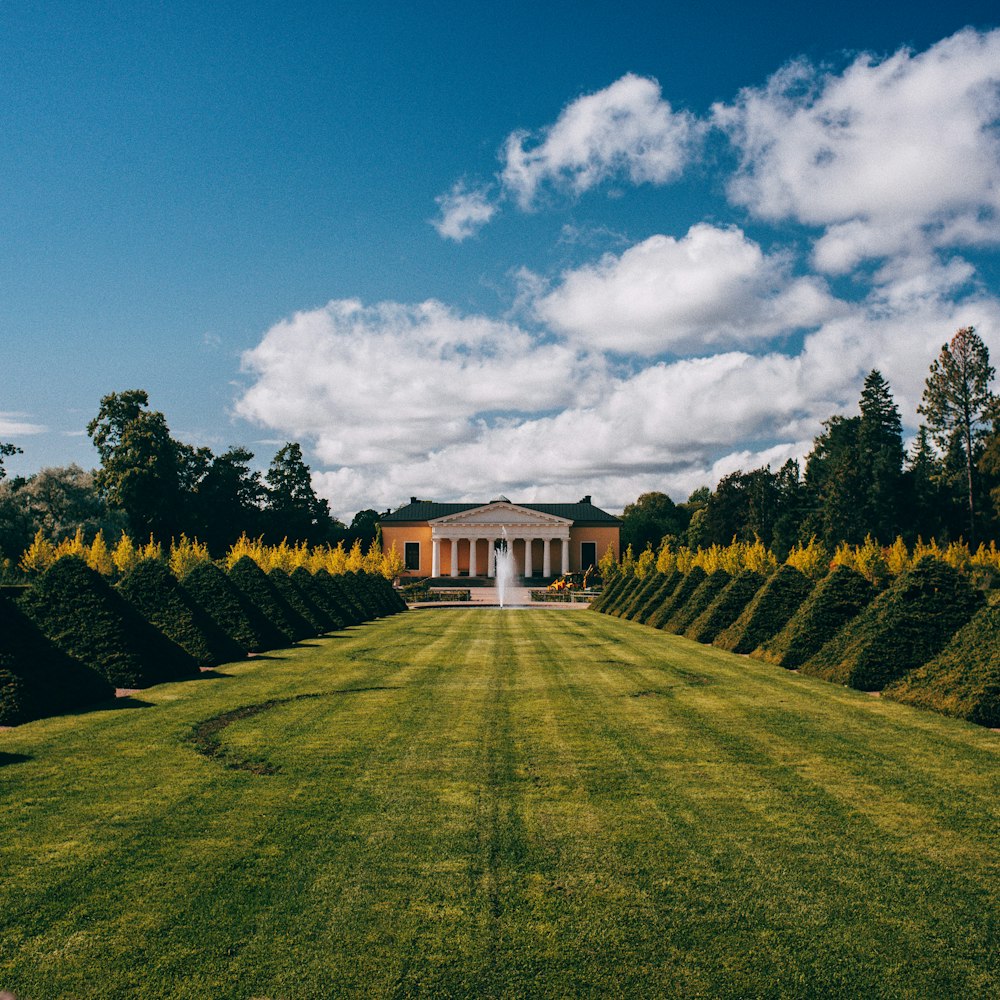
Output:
x=463 y=212
x=412 y=404
x=387 y=383
x=712 y=287
x=888 y=156
x=626 y=129
x=11 y=426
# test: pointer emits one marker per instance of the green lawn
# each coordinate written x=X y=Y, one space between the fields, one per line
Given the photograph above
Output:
x=500 y=803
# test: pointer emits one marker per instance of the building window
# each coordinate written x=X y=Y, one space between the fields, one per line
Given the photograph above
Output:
x=588 y=555
x=411 y=555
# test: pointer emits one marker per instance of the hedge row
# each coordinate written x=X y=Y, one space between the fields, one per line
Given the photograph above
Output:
x=925 y=640
x=71 y=639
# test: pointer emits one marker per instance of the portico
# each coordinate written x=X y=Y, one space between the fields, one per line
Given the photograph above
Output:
x=460 y=540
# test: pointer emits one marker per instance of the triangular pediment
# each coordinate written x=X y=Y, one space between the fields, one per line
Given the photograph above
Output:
x=503 y=513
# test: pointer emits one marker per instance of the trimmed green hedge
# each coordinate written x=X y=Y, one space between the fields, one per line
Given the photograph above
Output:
x=665 y=587
x=342 y=594
x=158 y=596
x=316 y=593
x=726 y=607
x=706 y=592
x=904 y=627
x=300 y=601
x=212 y=590
x=687 y=585
x=637 y=595
x=834 y=601
x=768 y=613
x=80 y=612
x=963 y=680
x=253 y=581
x=37 y=678
x=610 y=593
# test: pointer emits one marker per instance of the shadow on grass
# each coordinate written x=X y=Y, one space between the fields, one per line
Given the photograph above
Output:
x=14 y=758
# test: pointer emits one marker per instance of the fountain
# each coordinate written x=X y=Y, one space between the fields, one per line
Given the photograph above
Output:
x=504 y=567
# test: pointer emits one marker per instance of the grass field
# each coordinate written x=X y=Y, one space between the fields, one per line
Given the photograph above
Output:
x=500 y=803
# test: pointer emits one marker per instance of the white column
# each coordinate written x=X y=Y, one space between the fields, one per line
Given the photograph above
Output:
x=547 y=558
x=528 y=568
x=454 y=557
x=473 y=570
x=491 y=558
x=565 y=556
x=435 y=557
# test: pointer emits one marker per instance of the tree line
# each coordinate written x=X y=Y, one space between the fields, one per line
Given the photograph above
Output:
x=150 y=484
x=858 y=480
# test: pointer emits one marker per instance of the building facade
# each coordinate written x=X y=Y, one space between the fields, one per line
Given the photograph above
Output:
x=456 y=540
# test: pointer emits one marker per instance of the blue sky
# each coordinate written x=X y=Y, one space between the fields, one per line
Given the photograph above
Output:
x=461 y=249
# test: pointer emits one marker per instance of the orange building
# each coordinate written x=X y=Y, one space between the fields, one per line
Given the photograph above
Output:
x=460 y=539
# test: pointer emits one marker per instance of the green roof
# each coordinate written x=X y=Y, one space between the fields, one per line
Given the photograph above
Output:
x=428 y=510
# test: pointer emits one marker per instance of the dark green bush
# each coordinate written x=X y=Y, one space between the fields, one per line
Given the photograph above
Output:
x=253 y=581
x=700 y=599
x=300 y=601
x=678 y=597
x=212 y=591
x=637 y=595
x=904 y=627
x=726 y=606
x=611 y=592
x=157 y=595
x=342 y=594
x=37 y=678
x=663 y=589
x=833 y=602
x=768 y=613
x=963 y=680
x=81 y=613
x=310 y=585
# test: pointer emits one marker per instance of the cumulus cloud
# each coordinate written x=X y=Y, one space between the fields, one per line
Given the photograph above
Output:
x=386 y=383
x=401 y=400
x=463 y=212
x=712 y=287
x=626 y=129
x=886 y=156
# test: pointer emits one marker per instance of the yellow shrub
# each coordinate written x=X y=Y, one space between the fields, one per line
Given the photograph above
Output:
x=185 y=555
x=813 y=560
x=99 y=556
x=897 y=557
x=39 y=555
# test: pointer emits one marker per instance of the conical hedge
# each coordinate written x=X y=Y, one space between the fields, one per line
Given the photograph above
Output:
x=678 y=598
x=300 y=601
x=157 y=595
x=611 y=588
x=82 y=614
x=212 y=591
x=665 y=586
x=768 y=613
x=255 y=585
x=37 y=678
x=963 y=680
x=726 y=607
x=702 y=597
x=317 y=593
x=340 y=590
x=901 y=629
x=833 y=602
x=637 y=595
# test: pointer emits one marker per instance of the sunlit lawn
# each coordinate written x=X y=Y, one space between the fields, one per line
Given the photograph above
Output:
x=500 y=803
